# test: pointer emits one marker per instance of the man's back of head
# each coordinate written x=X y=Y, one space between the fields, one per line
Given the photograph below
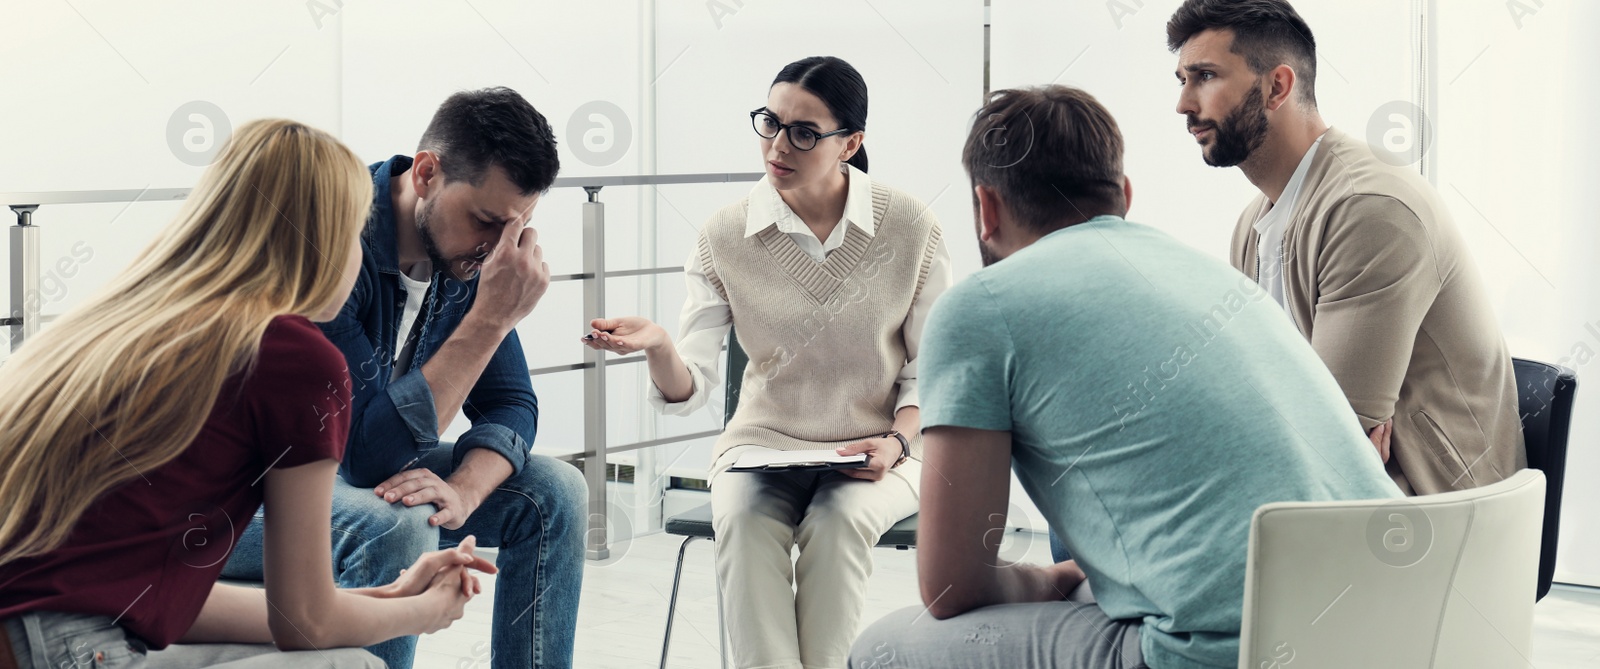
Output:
x=1152 y=397
x=1052 y=154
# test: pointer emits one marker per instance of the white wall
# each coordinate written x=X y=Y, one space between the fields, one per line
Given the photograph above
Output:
x=1515 y=163
x=1117 y=52
x=90 y=88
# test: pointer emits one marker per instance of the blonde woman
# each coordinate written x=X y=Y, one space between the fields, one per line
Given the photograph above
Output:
x=141 y=432
x=827 y=275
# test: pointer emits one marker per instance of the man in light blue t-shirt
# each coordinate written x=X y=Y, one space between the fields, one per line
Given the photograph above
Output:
x=1149 y=398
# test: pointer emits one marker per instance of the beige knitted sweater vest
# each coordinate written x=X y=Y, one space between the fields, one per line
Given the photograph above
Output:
x=825 y=340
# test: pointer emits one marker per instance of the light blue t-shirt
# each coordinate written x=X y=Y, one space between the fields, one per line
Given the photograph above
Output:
x=1155 y=398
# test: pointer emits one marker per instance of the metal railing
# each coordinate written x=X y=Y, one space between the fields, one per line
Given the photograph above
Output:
x=24 y=318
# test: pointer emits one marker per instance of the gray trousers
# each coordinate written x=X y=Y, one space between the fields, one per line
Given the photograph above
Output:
x=1071 y=634
x=49 y=640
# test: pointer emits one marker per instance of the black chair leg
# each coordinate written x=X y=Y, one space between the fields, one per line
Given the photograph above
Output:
x=672 y=604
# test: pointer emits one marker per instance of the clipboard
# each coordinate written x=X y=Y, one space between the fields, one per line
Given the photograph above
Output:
x=773 y=460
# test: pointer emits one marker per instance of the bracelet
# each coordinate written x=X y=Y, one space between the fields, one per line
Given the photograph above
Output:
x=905 y=447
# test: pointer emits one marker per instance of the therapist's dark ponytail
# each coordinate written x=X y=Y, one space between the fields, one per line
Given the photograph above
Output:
x=859 y=160
x=840 y=87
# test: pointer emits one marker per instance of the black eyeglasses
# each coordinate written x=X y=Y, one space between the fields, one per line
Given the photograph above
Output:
x=801 y=137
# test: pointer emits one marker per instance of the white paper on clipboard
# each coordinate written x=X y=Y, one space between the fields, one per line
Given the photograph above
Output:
x=773 y=460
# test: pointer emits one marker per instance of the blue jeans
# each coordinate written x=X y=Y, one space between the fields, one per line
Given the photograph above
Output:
x=536 y=518
x=56 y=640
x=1058 y=550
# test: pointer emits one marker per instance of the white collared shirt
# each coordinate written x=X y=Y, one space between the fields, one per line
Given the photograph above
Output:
x=706 y=316
x=1270 y=229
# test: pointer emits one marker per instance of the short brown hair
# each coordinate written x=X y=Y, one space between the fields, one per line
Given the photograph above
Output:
x=1267 y=33
x=1053 y=153
x=473 y=130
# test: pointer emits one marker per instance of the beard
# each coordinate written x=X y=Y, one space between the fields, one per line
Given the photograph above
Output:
x=1239 y=134
x=431 y=246
x=987 y=254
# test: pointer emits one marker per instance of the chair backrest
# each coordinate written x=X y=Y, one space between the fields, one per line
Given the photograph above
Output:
x=737 y=361
x=1544 y=401
x=1433 y=581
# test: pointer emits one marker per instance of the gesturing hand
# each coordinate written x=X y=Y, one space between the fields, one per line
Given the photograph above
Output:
x=625 y=335
x=421 y=486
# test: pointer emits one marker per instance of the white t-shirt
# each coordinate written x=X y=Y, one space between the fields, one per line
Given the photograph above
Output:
x=1270 y=229
x=404 y=344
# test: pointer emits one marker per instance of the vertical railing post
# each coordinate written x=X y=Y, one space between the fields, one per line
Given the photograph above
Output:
x=596 y=546
x=24 y=317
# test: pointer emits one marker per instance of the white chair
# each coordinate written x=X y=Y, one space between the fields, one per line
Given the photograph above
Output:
x=1441 y=581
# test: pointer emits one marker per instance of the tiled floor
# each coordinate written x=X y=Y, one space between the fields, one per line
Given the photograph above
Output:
x=624 y=611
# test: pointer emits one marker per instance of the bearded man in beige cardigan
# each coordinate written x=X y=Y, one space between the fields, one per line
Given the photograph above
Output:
x=1361 y=253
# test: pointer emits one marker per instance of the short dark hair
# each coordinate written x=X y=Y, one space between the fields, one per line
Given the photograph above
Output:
x=493 y=126
x=840 y=87
x=1267 y=33
x=1053 y=153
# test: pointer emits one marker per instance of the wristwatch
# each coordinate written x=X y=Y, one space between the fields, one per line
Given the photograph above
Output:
x=905 y=447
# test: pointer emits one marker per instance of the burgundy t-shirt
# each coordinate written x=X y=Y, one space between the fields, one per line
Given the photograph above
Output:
x=148 y=551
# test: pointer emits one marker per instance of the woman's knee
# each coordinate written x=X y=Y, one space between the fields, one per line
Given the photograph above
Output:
x=753 y=520
x=845 y=526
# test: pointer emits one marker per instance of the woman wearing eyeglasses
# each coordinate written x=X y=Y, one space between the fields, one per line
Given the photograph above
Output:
x=829 y=276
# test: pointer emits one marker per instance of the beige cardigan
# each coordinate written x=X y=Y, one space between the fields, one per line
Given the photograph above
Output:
x=1377 y=278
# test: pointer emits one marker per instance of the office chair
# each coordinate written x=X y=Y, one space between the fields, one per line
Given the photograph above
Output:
x=1432 y=581
x=1544 y=402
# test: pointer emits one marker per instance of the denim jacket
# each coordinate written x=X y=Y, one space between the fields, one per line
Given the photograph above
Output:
x=393 y=422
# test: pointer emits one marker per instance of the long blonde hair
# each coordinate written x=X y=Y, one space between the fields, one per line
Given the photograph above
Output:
x=123 y=383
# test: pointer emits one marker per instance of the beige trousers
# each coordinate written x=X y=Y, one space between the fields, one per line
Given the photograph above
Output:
x=803 y=613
